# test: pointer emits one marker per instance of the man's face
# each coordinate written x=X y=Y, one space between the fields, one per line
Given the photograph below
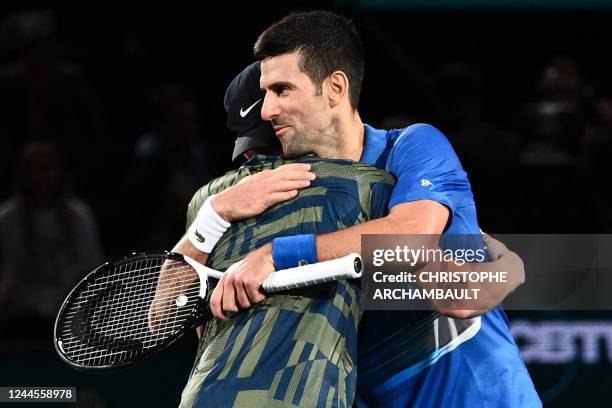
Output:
x=298 y=111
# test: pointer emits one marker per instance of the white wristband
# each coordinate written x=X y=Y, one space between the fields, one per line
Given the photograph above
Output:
x=207 y=228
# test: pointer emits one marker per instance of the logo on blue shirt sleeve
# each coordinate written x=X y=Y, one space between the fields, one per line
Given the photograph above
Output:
x=427 y=183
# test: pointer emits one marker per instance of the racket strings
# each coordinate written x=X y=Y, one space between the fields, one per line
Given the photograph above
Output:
x=151 y=280
x=113 y=325
x=112 y=319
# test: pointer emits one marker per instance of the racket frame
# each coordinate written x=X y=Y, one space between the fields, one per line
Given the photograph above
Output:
x=351 y=265
x=196 y=315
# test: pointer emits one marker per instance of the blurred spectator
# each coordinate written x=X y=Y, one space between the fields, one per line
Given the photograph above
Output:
x=556 y=180
x=553 y=125
x=48 y=238
x=43 y=96
x=170 y=164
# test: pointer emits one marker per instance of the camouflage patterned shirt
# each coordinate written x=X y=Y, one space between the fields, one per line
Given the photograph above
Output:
x=296 y=348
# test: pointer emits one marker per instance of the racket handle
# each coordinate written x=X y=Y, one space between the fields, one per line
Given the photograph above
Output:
x=347 y=267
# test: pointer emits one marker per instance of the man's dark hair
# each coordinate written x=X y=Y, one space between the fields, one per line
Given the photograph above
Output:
x=327 y=42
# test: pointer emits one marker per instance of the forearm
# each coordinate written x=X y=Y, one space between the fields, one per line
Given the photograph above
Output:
x=340 y=243
x=171 y=278
x=185 y=247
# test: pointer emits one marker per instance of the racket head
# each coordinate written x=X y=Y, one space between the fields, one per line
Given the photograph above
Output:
x=102 y=324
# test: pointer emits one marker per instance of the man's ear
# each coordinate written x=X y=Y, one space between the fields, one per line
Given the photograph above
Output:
x=338 y=86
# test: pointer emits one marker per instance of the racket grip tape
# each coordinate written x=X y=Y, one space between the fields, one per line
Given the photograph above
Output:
x=347 y=267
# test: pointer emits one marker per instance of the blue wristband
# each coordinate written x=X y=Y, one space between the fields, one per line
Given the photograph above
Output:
x=289 y=252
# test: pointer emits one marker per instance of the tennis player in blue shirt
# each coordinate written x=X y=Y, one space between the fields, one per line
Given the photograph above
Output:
x=312 y=69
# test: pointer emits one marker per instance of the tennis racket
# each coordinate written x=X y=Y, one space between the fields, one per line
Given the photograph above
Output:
x=129 y=310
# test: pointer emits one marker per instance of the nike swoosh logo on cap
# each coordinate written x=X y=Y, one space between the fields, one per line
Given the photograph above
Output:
x=243 y=113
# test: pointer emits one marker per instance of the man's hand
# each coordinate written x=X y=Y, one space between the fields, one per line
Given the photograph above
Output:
x=495 y=248
x=240 y=286
x=255 y=194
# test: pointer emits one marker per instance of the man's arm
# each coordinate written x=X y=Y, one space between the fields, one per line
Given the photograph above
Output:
x=251 y=196
x=240 y=287
x=185 y=247
x=170 y=278
x=417 y=217
x=430 y=217
x=209 y=215
x=429 y=188
x=255 y=194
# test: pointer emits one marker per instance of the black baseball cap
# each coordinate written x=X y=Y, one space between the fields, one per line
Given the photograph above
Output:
x=243 y=102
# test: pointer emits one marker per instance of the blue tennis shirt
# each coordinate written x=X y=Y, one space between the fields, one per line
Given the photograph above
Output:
x=419 y=358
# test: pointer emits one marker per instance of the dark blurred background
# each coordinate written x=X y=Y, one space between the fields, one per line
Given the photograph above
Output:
x=111 y=118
